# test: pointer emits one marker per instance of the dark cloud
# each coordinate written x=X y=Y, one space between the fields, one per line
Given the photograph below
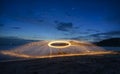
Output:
x=101 y=36
x=56 y=21
x=110 y=34
x=81 y=38
x=87 y=32
x=76 y=27
x=30 y=20
x=97 y=37
x=1 y=25
x=40 y=20
x=16 y=27
x=67 y=28
x=64 y=26
x=92 y=30
x=10 y=37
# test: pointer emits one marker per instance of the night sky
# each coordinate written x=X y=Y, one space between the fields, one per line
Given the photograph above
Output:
x=87 y=20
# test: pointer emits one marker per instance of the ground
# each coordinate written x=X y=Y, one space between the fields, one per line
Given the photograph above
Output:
x=93 y=64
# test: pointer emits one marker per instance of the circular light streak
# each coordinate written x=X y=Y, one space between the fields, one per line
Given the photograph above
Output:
x=59 y=44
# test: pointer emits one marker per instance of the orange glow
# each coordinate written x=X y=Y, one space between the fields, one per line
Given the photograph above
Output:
x=55 y=42
x=61 y=55
x=46 y=49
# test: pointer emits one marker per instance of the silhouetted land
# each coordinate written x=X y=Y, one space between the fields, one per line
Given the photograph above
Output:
x=109 y=42
x=97 y=64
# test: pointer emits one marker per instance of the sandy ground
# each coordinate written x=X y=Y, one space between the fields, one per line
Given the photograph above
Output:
x=92 y=64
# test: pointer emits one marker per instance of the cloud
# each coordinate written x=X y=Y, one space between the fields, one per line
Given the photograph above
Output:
x=97 y=37
x=112 y=33
x=80 y=38
x=64 y=26
x=32 y=20
x=56 y=21
x=16 y=27
x=67 y=28
x=101 y=36
x=1 y=25
x=92 y=30
x=41 y=20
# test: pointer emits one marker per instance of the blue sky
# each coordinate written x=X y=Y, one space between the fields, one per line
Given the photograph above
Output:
x=89 y=20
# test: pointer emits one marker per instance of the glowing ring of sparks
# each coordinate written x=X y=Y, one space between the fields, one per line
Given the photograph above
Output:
x=59 y=44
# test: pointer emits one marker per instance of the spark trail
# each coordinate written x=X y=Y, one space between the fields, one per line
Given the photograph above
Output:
x=60 y=48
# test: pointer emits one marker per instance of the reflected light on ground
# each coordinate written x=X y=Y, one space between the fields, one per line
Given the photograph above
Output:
x=61 y=48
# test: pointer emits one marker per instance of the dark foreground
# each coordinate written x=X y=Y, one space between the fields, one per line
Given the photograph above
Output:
x=97 y=64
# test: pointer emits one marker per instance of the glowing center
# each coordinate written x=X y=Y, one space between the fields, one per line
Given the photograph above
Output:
x=59 y=44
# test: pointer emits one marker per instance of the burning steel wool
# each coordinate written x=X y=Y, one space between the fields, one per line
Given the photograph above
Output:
x=59 y=44
x=60 y=48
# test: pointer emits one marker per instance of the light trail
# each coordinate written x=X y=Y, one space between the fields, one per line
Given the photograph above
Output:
x=62 y=55
x=61 y=48
x=59 y=44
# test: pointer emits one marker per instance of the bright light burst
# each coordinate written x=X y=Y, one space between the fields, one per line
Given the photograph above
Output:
x=61 y=48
